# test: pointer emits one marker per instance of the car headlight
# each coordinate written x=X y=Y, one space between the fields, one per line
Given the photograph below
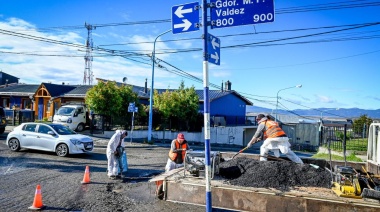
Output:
x=69 y=120
x=75 y=141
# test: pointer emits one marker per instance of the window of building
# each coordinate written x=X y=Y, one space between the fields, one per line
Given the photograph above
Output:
x=26 y=104
x=5 y=102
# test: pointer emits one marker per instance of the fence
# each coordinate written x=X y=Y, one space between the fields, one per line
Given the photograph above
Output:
x=99 y=123
x=343 y=138
x=17 y=117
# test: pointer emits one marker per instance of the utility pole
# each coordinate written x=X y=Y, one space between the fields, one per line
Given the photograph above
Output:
x=88 y=57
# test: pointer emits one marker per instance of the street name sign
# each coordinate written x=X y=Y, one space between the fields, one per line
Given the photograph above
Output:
x=131 y=107
x=213 y=48
x=228 y=13
x=185 y=18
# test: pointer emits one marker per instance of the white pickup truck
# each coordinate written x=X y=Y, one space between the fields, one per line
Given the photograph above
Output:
x=74 y=116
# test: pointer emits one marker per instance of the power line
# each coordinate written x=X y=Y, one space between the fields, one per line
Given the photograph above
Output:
x=244 y=34
x=288 y=10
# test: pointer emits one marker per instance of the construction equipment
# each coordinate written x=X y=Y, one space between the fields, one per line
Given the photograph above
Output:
x=195 y=163
x=372 y=192
x=346 y=183
x=373 y=163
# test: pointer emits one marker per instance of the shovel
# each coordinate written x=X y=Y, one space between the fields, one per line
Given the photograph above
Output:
x=239 y=152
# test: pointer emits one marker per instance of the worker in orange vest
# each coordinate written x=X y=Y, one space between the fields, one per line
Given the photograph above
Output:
x=177 y=153
x=275 y=139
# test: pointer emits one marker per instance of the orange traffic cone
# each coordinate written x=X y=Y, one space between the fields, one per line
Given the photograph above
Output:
x=86 y=177
x=37 y=203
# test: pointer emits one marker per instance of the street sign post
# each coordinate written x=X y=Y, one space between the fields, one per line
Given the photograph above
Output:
x=228 y=13
x=224 y=13
x=185 y=18
x=132 y=108
x=213 y=44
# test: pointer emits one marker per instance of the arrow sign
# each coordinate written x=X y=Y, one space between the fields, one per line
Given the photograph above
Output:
x=213 y=45
x=179 y=12
x=185 y=25
x=216 y=58
x=185 y=18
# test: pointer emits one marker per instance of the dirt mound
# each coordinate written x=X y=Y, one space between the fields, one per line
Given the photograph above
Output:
x=281 y=175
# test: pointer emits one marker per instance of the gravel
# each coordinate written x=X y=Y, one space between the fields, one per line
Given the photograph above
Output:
x=282 y=175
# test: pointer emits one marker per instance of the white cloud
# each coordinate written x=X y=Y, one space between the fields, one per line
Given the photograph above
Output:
x=325 y=99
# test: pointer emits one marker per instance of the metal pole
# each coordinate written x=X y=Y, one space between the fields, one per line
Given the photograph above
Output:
x=133 y=118
x=297 y=86
x=277 y=106
x=206 y=109
x=344 y=145
x=152 y=87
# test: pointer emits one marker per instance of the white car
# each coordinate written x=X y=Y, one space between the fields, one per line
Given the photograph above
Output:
x=49 y=137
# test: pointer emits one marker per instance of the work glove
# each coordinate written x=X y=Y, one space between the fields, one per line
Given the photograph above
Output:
x=249 y=145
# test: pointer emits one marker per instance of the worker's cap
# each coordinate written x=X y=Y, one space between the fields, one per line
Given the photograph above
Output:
x=180 y=136
x=260 y=116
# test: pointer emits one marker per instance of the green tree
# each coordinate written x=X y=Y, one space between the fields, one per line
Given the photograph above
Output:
x=189 y=104
x=362 y=123
x=109 y=99
x=128 y=96
x=104 y=98
x=181 y=104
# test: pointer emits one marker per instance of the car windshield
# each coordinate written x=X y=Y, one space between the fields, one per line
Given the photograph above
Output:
x=62 y=130
x=65 y=111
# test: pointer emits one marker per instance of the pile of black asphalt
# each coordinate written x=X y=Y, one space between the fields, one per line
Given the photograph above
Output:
x=281 y=175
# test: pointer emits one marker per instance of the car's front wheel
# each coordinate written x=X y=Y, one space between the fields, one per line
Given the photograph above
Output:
x=62 y=150
x=14 y=144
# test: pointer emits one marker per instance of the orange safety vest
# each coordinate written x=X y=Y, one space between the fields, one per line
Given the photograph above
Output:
x=273 y=130
x=178 y=157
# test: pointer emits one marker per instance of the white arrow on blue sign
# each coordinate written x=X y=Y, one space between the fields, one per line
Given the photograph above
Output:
x=228 y=13
x=185 y=18
x=213 y=48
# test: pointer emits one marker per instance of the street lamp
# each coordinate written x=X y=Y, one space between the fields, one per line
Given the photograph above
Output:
x=297 y=86
x=151 y=88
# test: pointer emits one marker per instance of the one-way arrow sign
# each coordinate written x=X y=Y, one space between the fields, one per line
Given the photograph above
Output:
x=185 y=18
x=213 y=48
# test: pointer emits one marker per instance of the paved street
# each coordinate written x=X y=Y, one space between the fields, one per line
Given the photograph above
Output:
x=60 y=180
x=21 y=172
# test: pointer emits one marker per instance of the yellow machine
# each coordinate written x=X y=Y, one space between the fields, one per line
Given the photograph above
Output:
x=346 y=182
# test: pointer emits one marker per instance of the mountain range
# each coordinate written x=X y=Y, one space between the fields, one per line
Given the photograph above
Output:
x=318 y=112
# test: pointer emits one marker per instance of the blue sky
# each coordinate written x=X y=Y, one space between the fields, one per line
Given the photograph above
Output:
x=336 y=69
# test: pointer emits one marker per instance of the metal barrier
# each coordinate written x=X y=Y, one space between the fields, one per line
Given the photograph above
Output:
x=17 y=117
x=342 y=138
x=99 y=123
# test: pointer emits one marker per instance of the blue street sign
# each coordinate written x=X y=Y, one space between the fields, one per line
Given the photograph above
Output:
x=185 y=18
x=131 y=107
x=213 y=48
x=228 y=13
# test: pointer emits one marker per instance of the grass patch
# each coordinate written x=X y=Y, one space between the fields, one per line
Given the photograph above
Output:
x=351 y=157
x=352 y=144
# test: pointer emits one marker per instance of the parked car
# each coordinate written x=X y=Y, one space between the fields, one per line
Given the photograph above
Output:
x=49 y=137
x=3 y=120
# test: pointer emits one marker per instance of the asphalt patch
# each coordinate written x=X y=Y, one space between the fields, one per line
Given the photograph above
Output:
x=282 y=175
